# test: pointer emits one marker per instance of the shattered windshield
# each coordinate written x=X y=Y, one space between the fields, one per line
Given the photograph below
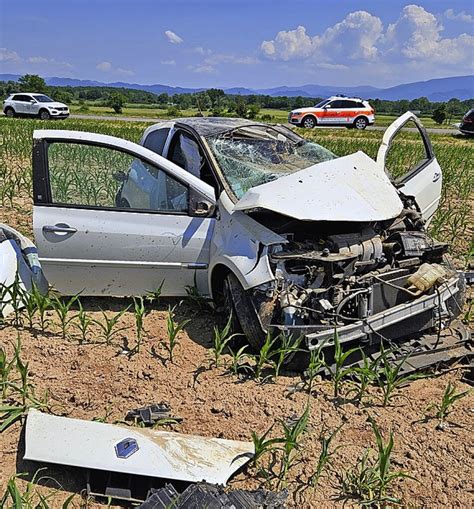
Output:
x=253 y=155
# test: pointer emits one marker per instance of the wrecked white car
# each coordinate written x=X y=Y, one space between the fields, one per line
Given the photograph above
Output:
x=277 y=228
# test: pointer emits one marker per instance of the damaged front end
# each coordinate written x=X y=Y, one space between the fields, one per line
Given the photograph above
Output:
x=386 y=280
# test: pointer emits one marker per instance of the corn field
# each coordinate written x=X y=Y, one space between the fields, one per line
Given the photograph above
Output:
x=452 y=222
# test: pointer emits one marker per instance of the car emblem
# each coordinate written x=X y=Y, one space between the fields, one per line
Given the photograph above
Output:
x=126 y=447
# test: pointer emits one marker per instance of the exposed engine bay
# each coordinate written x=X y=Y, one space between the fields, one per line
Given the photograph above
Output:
x=338 y=274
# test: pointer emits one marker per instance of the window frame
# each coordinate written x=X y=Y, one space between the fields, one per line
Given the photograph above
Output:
x=42 y=195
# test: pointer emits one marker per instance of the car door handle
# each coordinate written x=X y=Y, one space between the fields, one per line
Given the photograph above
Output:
x=58 y=229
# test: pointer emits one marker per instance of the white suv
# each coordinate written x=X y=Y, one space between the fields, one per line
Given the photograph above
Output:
x=38 y=105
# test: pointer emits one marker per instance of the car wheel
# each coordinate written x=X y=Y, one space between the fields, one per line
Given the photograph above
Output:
x=308 y=122
x=44 y=115
x=10 y=112
x=360 y=123
x=245 y=319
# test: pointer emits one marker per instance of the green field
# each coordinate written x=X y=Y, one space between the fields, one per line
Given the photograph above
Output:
x=279 y=116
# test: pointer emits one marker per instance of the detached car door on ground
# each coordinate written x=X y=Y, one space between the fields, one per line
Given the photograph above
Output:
x=89 y=242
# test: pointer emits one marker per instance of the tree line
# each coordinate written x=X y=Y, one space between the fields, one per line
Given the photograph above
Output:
x=217 y=102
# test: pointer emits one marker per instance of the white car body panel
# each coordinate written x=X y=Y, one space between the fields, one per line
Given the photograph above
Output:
x=123 y=253
x=160 y=454
x=425 y=185
x=350 y=188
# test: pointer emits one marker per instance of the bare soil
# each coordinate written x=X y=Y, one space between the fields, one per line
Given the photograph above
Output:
x=94 y=380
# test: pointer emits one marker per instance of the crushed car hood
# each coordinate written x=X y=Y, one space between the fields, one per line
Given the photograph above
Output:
x=350 y=188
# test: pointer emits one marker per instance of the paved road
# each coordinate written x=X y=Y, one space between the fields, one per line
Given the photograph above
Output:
x=432 y=130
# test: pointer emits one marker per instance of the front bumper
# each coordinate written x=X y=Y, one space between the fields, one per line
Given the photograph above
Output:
x=59 y=114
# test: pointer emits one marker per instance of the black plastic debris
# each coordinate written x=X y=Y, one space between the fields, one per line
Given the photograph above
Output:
x=152 y=414
x=162 y=498
x=210 y=496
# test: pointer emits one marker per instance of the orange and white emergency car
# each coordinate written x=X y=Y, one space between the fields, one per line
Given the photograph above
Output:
x=337 y=111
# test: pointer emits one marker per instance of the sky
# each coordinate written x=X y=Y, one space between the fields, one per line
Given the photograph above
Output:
x=249 y=43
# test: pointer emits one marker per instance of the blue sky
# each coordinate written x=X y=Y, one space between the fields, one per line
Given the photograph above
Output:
x=251 y=43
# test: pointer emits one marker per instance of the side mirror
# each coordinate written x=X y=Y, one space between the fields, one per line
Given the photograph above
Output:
x=32 y=101
x=201 y=206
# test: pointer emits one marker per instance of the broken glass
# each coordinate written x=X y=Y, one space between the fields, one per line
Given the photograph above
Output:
x=253 y=155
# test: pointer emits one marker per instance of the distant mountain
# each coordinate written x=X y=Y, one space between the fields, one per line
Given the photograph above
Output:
x=440 y=89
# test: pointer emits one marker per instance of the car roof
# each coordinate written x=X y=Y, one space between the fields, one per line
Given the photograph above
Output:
x=208 y=126
x=346 y=98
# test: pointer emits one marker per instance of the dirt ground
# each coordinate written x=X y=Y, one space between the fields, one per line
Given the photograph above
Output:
x=94 y=380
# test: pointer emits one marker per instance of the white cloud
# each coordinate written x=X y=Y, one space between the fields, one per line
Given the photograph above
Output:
x=355 y=37
x=202 y=68
x=417 y=36
x=173 y=38
x=459 y=16
x=104 y=66
x=125 y=72
x=109 y=68
x=37 y=60
x=289 y=45
x=168 y=62
x=202 y=51
x=7 y=55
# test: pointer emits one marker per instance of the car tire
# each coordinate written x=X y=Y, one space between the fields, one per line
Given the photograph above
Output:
x=308 y=122
x=361 y=123
x=10 y=112
x=245 y=318
x=44 y=115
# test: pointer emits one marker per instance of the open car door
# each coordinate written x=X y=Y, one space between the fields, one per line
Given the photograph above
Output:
x=411 y=164
x=111 y=217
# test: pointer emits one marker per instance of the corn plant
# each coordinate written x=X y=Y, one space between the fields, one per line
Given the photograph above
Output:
x=195 y=299
x=42 y=303
x=264 y=445
x=154 y=296
x=338 y=371
x=315 y=365
x=109 y=326
x=237 y=358
x=389 y=378
x=6 y=367
x=29 y=498
x=288 y=346
x=371 y=478
x=29 y=308
x=221 y=339
x=263 y=357
x=139 y=312
x=291 y=443
x=450 y=396
x=173 y=329
x=62 y=307
x=362 y=377
x=83 y=324
x=325 y=456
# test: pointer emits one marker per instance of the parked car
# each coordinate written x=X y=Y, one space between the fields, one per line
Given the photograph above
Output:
x=336 y=111
x=275 y=228
x=36 y=105
x=467 y=124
